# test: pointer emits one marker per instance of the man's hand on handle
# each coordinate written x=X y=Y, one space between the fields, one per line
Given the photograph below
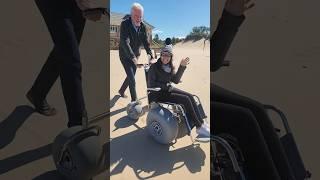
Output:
x=151 y=59
x=94 y=14
x=238 y=7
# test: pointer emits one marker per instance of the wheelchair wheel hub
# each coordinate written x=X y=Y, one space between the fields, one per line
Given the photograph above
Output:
x=66 y=162
x=157 y=128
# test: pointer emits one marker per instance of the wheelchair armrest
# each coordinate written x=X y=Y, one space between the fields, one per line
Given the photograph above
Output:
x=282 y=116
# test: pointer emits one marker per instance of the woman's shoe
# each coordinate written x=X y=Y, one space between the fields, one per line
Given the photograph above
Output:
x=203 y=131
x=206 y=124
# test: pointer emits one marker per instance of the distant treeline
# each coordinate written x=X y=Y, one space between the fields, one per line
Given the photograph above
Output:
x=197 y=33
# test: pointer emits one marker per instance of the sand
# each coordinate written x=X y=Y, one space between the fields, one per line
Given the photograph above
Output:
x=275 y=61
x=134 y=154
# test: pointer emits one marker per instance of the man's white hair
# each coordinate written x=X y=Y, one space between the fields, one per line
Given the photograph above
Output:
x=137 y=6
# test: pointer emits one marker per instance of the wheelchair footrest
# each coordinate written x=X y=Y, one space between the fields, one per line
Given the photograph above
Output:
x=202 y=113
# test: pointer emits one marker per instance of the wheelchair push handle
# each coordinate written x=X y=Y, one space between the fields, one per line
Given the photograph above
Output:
x=143 y=65
x=147 y=65
x=157 y=89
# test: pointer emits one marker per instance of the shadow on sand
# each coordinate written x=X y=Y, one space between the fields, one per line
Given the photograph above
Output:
x=24 y=158
x=149 y=159
x=113 y=101
x=50 y=175
x=12 y=123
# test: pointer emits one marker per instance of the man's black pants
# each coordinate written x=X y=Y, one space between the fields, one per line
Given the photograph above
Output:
x=65 y=24
x=130 y=69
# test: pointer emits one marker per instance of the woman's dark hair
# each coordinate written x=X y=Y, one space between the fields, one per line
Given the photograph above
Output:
x=168 y=41
x=170 y=63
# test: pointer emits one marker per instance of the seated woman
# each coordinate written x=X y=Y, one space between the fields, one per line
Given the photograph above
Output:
x=161 y=74
x=231 y=110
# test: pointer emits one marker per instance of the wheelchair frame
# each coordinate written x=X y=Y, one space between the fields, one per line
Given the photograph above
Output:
x=287 y=140
x=178 y=109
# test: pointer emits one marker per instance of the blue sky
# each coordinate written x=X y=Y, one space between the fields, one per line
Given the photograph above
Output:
x=170 y=17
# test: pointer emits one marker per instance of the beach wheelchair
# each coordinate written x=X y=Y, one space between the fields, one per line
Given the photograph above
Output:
x=166 y=122
x=227 y=162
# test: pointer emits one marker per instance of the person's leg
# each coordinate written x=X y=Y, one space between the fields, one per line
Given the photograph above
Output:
x=51 y=11
x=70 y=76
x=219 y=94
x=241 y=123
x=42 y=85
x=187 y=105
x=65 y=23
x=125 y=83
x=124 y=86
x=190 y=96
x=47 y=77
x=130 y=70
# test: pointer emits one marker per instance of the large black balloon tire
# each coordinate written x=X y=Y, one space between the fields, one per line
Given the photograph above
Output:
x=134 y=110
x=162 y=125
x=85 y=153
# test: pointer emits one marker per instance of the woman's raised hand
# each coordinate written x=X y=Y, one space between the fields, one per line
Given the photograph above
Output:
x=185 y=61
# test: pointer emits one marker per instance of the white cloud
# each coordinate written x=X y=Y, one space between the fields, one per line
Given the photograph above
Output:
x=157 y=31
x=181 y=37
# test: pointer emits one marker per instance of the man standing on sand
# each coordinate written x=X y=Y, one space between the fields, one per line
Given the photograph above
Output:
x=65 y=20
x=133 y=34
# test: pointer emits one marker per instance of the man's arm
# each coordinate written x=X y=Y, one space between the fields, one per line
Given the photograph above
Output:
x=89 y=4
x=125 y=41
x=146 y=43
x=222 y=38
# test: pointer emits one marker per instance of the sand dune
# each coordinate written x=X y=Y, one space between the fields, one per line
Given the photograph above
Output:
x=199 y=44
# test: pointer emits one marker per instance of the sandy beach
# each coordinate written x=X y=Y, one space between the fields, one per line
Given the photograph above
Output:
x=275 y=60
x=134 y=155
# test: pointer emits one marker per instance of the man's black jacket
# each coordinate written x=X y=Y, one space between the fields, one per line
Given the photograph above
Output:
x=131 y=40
